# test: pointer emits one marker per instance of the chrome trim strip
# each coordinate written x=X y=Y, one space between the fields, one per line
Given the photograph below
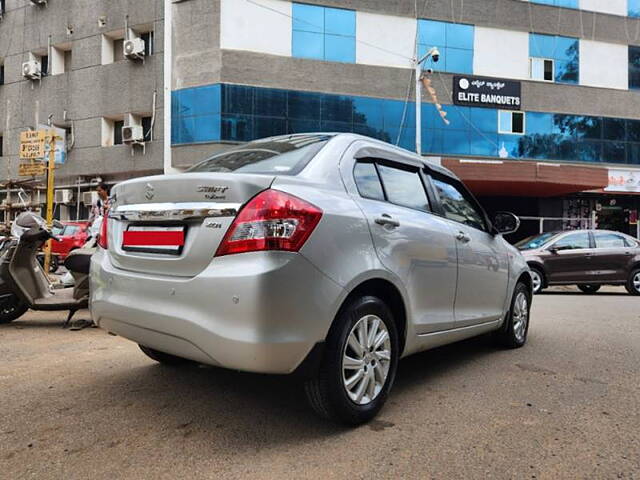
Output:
x=174 y=211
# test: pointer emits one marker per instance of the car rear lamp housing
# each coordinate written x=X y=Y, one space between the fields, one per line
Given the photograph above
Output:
x=102 y=240
x=272 y=220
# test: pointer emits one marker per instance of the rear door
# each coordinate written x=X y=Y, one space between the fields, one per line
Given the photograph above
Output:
x=483 y=267
x=417 y=246
x=570 y=259
x=611 y=256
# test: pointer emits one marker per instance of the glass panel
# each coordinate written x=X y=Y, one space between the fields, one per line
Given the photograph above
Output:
x=485 y=119
x=456 y=206
x=485 y=144
x=634 y=8
x=336 y=127
x=340 y=22
x=404 y=188
x=269 y=127
x=537 y=69
x=585 y=127
x=459 y=36
x=566 y=48
x=566 y=72
x=539 y=123
x=614 y=152
x=237 y=99
x=608 y=240
x=432 y=33
x=368 y=111
x=505 y=121
x=541 y=45
x=458 y=61
x=333 y=107
x=456 y=141
x=303 y=126
x=205 y=128
x=634 y=65
x=303 y=105
x=237 y=128
x=308 y=18
x=613 y=129
x=367 y=181
x=339 y=49
x=510 y=146
x=270 y=102
x=308 y=45
x=197 y=101
x=573 y=241
x=588 y=152
x=633 y=130
x=517 y=122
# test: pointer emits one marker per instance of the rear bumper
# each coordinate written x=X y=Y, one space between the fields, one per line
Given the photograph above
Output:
x=258 y=312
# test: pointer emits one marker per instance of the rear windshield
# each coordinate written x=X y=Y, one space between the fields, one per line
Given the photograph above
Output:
x=280 y=155
x=535 y=241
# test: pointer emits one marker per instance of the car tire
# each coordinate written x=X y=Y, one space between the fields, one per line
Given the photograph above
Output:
x=163 y=358
x=513 y=334
x=537 y=280
x=633 y=284
x=11 y=309
x=589 y=288
x=54 y=264
x=353 y=399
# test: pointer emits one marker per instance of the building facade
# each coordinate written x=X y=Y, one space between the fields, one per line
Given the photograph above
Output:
x=62 y=64
x=564 y=147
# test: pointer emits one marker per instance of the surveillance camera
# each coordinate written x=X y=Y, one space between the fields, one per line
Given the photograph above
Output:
x=429 y=71
x=435 y=54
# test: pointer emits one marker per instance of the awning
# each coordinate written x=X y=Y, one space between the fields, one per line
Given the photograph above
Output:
x=514 y=178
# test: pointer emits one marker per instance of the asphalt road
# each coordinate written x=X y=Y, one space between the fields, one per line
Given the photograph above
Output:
x=89 y=405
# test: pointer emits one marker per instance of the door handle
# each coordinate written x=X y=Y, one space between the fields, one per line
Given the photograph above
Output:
x=386 y=221
x=463 y=237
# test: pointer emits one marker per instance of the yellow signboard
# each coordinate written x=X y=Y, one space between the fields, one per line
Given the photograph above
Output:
x=32 y=144
x=32 y=169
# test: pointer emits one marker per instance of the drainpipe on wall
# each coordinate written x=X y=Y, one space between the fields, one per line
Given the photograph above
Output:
x=168 y=75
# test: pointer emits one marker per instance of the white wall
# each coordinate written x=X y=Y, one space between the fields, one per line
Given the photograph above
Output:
x=604 y=65
x=501 y=53
x=615 y=7
x=396 y=34
x=246 y=26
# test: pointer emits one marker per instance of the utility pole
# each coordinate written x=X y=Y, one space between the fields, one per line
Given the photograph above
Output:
x=435 y=54
x=50 y=185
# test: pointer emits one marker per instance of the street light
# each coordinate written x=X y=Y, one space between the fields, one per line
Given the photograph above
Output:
x=434 y=53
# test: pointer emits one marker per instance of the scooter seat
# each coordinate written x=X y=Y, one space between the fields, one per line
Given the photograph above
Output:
x=79 y=261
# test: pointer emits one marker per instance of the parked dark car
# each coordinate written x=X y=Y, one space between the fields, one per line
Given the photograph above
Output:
x=586 y=258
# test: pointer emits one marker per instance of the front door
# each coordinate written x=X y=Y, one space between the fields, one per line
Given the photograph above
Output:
x=483 y=267
x=417 y=246
x=570 y=259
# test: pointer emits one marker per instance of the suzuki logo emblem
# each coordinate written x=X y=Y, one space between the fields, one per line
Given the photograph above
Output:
x=149 y=191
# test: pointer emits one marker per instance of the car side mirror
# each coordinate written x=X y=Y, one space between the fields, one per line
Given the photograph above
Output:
x=553 y=250
x=505 y=222
x=57 y=224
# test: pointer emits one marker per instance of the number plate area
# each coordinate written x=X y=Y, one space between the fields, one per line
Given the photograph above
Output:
x=154 y=239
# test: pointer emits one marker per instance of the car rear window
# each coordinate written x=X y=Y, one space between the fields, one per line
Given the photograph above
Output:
x=71 y=229
x=280 y=156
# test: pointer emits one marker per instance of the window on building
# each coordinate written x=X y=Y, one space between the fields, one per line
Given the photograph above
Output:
x=324 y=33
x=112 y=131
x=2 y=8
x=453 y=40
x=61 y=59
x=44 y=63
x=1 y=145
x=112 y=47
x=634 y=8
x=542 y=69
x=634 y=67
x=511 y=122
x=117 y=132
x=554 y=58
x=148 y=38
x=147 y=128
x=558 y=3
x=1 y=71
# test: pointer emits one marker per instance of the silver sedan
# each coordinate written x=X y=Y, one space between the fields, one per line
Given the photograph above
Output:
x=330 y=256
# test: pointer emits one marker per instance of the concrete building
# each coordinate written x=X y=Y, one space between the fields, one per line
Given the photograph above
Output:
x=540 y=96
x=85 y=86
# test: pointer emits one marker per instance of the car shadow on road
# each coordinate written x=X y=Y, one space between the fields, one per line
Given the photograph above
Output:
x=262 y=411
x=581 y=294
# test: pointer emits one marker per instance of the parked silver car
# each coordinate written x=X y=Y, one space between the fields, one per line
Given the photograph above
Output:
x=328 y=255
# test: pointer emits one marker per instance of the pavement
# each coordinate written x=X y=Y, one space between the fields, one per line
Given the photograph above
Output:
x=86 y=404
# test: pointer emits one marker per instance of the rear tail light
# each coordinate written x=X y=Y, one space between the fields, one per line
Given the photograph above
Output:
x=272 y=220
x=102 y=236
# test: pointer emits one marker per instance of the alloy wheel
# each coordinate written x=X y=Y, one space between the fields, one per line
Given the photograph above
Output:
x=520 y=316
x=366 y=359
x=636 y=282
x=536 y=280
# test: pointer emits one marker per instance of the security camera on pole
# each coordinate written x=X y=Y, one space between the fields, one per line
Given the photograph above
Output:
x=433 y=53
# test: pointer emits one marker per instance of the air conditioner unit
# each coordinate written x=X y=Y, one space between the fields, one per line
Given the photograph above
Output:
x=63 y=196
x=32 y=70
x=133 y=49
x=89 y=198
x=132 y=134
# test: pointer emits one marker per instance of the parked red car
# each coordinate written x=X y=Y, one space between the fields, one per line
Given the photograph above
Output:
x=73 y=235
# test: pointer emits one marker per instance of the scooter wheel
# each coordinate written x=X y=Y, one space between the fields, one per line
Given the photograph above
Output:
x=11 y=309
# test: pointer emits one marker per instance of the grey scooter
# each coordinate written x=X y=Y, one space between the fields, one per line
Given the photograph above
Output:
x=23 y=283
